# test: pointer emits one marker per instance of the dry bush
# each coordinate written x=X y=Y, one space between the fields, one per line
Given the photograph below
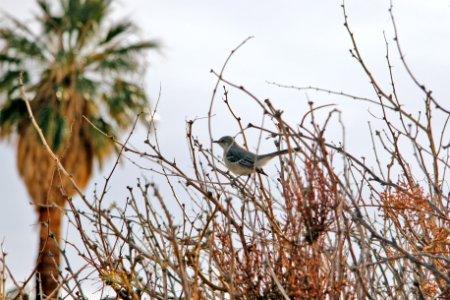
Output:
x=330 y=226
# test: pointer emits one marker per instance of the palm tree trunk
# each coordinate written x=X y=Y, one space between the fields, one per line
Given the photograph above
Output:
x=50 y=190
x=50 y=221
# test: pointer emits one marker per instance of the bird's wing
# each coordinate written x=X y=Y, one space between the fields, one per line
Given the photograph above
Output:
x=243 y=158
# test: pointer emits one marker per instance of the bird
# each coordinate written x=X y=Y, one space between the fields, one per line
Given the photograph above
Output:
x=243 y=162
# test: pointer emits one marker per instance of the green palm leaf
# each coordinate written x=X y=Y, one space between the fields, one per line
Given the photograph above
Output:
x=11 y=114
x=21 y=45
x=116 y=31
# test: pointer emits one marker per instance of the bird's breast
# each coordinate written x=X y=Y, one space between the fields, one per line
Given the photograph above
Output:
x=237 y=169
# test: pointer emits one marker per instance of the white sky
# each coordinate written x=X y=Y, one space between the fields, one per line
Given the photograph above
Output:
x=296 y=42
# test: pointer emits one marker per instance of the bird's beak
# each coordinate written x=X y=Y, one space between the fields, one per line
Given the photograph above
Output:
x=216 y=142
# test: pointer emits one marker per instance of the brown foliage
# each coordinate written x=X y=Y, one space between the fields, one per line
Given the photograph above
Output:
x=319 y=229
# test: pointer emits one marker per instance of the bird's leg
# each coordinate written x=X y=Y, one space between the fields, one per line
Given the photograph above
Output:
x=234 y=180
x=248 y=178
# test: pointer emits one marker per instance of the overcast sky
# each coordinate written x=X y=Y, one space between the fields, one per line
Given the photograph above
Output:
x=296 y=42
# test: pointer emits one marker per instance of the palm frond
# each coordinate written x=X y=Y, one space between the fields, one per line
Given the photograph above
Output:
x=8 y=59
x=118 y=64
x=52 y=24
x=20 y=45
x=101 y=142
x=125 y=101
x=82 y=19
x=116 y=31
x=80 y=12
x=43 y=4
x=87 y=87
x=9 y=81
x=17 y=24
x=11 y=115
x=126 y=58
x=52 y=124
x=136 y=47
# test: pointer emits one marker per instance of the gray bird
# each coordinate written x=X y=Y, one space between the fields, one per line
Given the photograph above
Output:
x=243 y=162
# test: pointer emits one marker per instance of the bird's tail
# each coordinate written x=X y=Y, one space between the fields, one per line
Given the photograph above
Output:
x=269 y=156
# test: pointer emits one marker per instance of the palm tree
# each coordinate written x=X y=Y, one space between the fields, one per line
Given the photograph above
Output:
x=74 y=66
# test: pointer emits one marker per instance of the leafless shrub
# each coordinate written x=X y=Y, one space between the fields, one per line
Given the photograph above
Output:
x=322 y=229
